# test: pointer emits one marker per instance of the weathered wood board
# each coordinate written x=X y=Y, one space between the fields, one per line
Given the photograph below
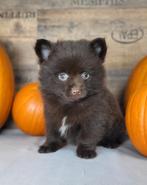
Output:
x=54 y=4
x=18 y=32
x=122 y=22
x=23 y=57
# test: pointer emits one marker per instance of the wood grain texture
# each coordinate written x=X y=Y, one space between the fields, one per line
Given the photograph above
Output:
x=124 y=30
x=18 y=23
x=122 y=22
x=58 y=4
x=23 y=57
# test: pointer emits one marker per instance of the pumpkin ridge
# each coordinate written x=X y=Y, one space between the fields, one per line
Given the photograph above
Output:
x=7 y=86
x=31 y=118
x=144 y=119
x=129 y=126
x=137 y=78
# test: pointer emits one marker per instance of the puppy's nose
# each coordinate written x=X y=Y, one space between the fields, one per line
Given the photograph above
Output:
x=75 y=91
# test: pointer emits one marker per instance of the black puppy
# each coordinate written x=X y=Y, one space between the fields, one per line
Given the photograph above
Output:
x=77 y=103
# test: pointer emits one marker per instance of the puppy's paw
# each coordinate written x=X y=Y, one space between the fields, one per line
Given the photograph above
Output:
x=83 y=152
x=109 y=143
x=52 y=147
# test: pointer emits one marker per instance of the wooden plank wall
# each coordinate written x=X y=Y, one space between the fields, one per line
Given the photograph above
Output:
x=122 y=22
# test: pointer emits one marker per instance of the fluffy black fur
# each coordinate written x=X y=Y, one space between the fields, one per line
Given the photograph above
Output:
x=92 y=114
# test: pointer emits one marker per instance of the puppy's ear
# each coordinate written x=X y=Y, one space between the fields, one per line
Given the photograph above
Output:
x=43 y=49
x=99 y=47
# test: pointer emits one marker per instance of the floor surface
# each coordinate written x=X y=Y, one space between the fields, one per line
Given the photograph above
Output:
x=20 y=164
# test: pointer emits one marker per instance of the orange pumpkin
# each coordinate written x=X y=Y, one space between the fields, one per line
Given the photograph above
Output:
x=27 y=110
x=6 y=86
x=136 y=79
x=136 y=119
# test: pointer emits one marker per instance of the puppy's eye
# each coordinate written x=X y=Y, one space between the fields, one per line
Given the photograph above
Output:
x=85 y=75
x=63 y=76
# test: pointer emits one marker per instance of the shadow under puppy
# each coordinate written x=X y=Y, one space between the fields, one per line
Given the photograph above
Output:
x=77 y=103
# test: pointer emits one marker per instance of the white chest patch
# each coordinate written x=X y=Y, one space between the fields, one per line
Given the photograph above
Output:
x=64 y=127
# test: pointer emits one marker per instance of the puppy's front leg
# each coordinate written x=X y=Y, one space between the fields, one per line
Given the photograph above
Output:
x=89 y=136
x=53 y=140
